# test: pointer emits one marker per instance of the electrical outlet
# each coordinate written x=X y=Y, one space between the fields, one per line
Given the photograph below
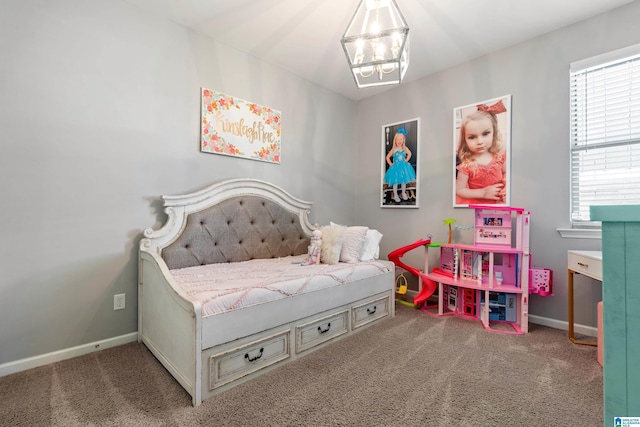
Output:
x=118 y=302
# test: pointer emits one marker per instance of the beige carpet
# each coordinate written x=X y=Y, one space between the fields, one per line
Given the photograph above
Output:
x=413 y=370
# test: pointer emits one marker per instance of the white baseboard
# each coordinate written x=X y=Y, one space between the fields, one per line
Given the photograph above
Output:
x=57 y=356
x=68 y=353
x=588 y=331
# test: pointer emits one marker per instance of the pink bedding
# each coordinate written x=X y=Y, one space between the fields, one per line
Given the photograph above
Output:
x=230 y=286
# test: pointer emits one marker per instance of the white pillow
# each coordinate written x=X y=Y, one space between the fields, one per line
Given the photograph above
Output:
x=332 y=239
x=353 y=244
x=371 y=247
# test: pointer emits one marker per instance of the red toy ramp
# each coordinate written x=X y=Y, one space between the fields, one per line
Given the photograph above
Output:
x=428 y=288
x=428 y=285
x=394 y=256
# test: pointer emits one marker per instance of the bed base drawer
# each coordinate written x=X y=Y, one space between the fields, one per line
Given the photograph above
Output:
x=226 y=365
x=370 y=311
x=322 y=330
x=236 y=363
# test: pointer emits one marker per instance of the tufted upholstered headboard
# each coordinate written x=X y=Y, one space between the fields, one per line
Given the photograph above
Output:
x=238 y=229
x=232 y=221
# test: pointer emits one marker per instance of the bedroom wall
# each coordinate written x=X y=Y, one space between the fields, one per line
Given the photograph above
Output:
x=100 y=115
x=535 y=73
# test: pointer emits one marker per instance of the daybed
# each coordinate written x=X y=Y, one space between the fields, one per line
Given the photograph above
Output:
x=223 y=296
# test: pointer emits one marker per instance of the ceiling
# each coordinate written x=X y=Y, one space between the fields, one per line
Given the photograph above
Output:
x=303 y=36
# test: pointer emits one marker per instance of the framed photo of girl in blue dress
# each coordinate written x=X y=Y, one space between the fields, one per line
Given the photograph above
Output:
x=399 y=187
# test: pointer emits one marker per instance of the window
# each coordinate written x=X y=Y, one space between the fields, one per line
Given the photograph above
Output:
x=605 y=132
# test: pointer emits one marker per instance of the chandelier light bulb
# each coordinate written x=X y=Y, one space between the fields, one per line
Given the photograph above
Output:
x=366 y=71
x=388 y=68
x=375 y=27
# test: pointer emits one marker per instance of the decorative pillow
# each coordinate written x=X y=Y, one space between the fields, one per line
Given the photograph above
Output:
x=353 y=243
x=371 y=247
x=332 y=239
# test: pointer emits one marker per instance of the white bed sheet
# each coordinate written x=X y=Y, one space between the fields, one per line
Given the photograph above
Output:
x=231 y=286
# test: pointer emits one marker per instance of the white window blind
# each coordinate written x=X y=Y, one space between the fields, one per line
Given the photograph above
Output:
x=605 y=132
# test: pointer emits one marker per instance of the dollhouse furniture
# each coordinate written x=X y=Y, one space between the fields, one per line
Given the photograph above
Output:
x=621 y=299
x=488 y=280
x=587 y=263
x=223 y=297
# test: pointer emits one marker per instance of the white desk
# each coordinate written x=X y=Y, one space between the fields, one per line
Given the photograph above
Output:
x=587 y=263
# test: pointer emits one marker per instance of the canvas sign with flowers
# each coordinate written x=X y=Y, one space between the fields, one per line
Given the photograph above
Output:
x=234 y=127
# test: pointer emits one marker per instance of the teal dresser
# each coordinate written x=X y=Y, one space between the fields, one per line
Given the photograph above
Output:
x=621 y=299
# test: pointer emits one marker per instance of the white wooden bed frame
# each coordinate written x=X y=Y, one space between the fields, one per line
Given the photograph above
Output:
x=212 y=354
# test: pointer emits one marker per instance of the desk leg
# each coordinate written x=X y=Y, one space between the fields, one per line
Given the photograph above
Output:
x=570 y=298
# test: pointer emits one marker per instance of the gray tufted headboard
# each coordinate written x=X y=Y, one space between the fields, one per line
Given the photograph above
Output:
x=230 y=221
x=237 y=229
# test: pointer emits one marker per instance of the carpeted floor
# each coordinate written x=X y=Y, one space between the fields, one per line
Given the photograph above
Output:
x=413 y=370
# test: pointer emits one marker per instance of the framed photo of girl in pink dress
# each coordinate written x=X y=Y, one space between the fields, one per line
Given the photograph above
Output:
x=481 y=153
x=399 y=187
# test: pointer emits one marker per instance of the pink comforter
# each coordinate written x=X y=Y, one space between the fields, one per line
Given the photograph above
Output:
x=230 y=286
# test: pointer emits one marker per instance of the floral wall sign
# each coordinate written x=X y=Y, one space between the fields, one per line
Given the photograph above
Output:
x=234 y=127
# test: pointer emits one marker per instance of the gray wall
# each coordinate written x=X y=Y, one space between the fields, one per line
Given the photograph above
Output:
x=100 y=115
x=535 y=73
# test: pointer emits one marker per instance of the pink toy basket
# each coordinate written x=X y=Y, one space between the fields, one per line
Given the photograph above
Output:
x=540 y=281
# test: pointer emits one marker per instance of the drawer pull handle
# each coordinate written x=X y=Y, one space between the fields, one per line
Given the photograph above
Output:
x=372 y=311
x=324 y=331
x=581 y=264
x=250 y=359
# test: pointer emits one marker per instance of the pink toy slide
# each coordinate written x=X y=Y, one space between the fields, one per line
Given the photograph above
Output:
x=428 y=285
